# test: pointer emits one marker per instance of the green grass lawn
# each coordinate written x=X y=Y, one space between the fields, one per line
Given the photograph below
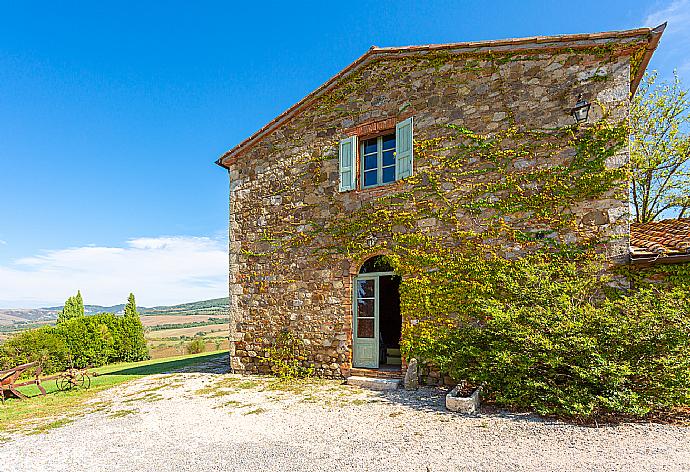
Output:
x=16 y=414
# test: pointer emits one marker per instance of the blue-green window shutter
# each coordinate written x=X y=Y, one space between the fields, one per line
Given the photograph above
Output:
x=403 y=149
x=347 y=164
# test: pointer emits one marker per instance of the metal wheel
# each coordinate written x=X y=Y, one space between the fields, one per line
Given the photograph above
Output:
x=63 y=383
x=80 y=381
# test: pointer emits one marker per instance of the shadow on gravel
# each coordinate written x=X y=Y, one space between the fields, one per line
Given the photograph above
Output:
x=433 y=400
x=210 y=364
x=429 y=399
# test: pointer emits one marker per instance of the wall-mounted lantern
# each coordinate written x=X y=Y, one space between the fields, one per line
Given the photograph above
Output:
x=371 y=241
x=581 y=110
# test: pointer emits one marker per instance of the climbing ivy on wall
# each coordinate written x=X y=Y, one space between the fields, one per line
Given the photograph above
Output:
x=463 y=257
x=661 y=275
x=487 y=235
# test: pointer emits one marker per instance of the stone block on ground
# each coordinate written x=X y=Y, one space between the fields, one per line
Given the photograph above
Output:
x=468 y=405
x=411 y=381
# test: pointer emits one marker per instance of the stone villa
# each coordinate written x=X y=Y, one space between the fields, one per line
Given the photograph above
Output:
x=357 y=169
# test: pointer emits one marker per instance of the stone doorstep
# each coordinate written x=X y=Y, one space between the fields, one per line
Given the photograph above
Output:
x=377 y=373
x=373 y=383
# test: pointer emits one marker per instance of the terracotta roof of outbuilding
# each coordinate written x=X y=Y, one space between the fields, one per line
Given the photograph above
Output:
x=546 y=43
x=660 y=239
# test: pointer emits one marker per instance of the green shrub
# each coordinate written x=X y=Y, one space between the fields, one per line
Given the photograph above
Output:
x=89 y=339
x=196 y=346
x=129 y=341
x=578 y=357
x=40 y=344
x=103 y=339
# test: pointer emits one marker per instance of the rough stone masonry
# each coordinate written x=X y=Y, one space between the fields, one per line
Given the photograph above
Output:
x=284 y=180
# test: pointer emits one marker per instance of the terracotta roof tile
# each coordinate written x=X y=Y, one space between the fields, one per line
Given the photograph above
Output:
x=660 y=238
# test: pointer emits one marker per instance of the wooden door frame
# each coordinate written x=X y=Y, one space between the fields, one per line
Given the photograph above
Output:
x=368 y=276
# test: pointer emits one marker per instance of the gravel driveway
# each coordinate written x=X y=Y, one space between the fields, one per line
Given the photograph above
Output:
x=204 y=421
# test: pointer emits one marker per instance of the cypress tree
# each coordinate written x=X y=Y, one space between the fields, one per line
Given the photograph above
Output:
x=67 y=311
x=78 y=304
x=131 y=306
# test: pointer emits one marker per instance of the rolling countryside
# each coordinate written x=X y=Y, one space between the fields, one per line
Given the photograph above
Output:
x=168 y=328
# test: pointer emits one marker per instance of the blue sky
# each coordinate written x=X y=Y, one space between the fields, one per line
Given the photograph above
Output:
x=112 y=113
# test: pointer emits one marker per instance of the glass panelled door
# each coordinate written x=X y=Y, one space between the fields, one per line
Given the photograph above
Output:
x=366 y=322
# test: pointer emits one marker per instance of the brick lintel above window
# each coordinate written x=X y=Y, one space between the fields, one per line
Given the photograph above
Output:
x=374 y=128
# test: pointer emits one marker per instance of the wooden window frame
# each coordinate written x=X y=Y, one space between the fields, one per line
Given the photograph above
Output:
x=379 y=159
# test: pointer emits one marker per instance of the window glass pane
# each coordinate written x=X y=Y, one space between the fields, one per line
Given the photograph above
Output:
x=365 y=308
x=389 y=174
x=389 y=142
x=365 y=289
x=370 y=162
x=370 y=178
x=365 y=328
x=388 y=158
x=369 y=146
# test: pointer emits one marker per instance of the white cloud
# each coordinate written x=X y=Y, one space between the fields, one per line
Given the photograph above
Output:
x=160 y=271
x=676 y=39
x=2 y=243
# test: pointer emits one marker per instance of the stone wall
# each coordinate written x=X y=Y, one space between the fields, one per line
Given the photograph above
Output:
x=286 y=187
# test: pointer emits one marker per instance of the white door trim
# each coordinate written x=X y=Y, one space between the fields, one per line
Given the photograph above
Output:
x=361 y=342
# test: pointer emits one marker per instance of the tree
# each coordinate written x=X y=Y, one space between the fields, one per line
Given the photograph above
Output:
x=79 y=304
x=73 y=308
x=131 y=306
x=660 y=150
x=67 y=311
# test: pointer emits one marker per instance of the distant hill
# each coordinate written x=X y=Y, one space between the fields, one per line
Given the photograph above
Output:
x=217 y=306
x=93 y=309
x=13 y=316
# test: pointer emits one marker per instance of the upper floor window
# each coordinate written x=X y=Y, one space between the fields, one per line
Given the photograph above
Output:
x=376 y=161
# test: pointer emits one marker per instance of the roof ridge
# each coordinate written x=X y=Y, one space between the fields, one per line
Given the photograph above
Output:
x=530 y=39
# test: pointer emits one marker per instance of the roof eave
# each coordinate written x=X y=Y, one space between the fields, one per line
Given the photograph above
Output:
x=651 y=47
x=646 y=261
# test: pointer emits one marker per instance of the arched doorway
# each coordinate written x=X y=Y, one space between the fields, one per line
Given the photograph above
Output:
x=377 y=320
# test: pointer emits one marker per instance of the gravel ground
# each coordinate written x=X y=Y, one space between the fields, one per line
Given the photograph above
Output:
x=201 y=421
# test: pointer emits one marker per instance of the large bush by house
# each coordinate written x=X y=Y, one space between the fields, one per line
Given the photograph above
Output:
x=548 y=338
x=82 y=341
